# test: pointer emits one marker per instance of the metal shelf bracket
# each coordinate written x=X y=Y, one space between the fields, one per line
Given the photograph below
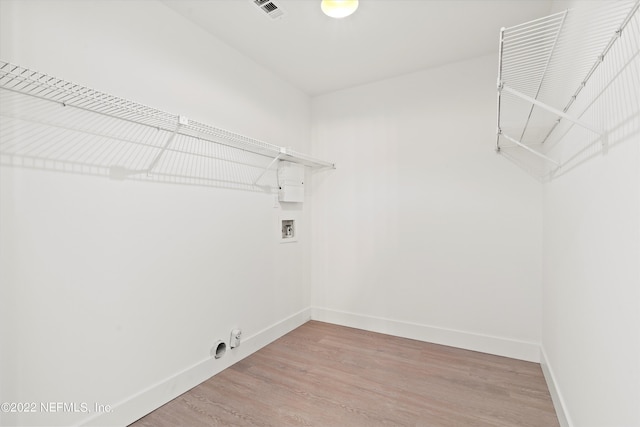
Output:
x=551 y=109
x=269 y=166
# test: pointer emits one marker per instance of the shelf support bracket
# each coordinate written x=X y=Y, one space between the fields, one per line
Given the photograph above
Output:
x=283 y=151
x=529 y=149
x=551 y=109
x=181 y=121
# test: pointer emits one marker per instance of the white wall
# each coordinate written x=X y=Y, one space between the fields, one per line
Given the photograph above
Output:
x=113 y=292
x=422 y=230
x=591 y=282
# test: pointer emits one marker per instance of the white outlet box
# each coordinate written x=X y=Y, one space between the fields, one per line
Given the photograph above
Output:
x=290 y=182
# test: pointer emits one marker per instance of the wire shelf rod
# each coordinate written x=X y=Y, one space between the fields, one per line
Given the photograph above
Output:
x=536 y=39
x=530 y=46
x=534 y=31
x=517 y=59
x=533 y=37
x=586 y=15
x=84 y=130
x=519 y=62
x=533 y=72
x=600 y=59
x=633 y=10
x=499 y=84
x=68 y=124
x=87 y=106
x=595 y=98
x=155 y=161
x=529 y=149
x=548 y=32
x=531 y=69
x=522 y=82
x=87 y=109
x=533 y=22
x=553 y=110
x=62 y=91
x=538 y=24
x=522 y=79
x=524 y=130
x=535 y=48
x=588 y=47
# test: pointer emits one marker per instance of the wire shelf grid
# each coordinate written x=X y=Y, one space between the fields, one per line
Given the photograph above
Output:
x=50 y=123
x=544 y=67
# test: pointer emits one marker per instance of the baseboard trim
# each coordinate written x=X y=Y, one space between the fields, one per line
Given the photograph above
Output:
x=134 y=407
x=554 y=390
x=499 y=346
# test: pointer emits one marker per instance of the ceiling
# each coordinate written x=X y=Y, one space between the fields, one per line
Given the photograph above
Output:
x=384 y=38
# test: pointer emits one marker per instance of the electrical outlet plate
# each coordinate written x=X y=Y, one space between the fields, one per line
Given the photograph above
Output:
x=236 y=338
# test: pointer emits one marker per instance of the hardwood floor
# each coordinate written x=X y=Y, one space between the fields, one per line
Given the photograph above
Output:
x=327 y=375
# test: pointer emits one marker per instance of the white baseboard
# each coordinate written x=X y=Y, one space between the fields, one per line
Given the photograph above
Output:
x=514 y=349
x=556 y=396
x=140 y=404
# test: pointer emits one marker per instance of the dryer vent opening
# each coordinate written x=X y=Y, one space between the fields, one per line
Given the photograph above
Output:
x=219 y=349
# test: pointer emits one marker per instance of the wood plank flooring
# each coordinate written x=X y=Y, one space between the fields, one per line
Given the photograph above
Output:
x=326 y=375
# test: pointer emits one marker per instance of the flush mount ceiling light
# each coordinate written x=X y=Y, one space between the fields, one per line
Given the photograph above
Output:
x=339 y=8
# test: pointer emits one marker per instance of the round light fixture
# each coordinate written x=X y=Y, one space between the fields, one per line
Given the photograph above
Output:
x=339 y=8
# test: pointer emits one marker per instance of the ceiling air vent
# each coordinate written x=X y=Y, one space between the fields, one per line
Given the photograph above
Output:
x=269 y=7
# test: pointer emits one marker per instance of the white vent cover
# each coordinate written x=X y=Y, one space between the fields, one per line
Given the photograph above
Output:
x=269 y=7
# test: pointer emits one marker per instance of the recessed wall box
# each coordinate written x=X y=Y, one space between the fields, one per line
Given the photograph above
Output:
x=290 y=182
x=288 y=227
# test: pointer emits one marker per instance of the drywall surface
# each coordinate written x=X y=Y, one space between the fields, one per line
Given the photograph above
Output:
x=591 y=281
x=110 y=288
x=422 y=227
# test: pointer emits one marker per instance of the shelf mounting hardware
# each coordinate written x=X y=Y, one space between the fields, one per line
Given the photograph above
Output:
x=529 y=149
x=557 y=112
x=166 y=145
x=283 y=151
x=548 y=62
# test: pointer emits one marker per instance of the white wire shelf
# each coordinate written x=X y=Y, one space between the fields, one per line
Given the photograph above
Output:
x=545 y=66
x=50 y=123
